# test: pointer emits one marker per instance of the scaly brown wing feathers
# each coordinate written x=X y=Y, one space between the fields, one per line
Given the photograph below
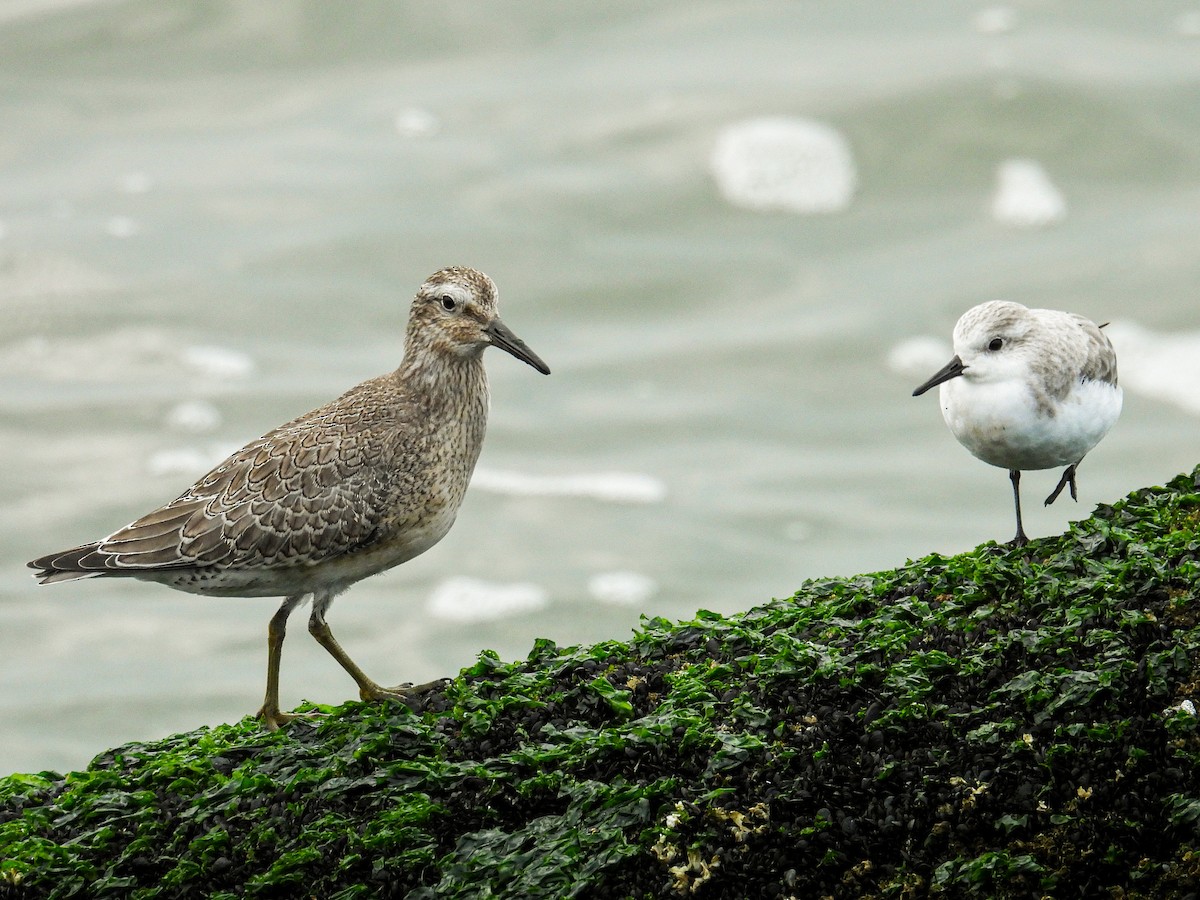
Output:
x=298 y=495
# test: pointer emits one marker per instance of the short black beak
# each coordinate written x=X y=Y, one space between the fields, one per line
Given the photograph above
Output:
x=952 y=369
x=503 y=338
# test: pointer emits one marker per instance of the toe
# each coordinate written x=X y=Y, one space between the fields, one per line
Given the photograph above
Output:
x=376 y=694
x=405 y=693
x=273 y=720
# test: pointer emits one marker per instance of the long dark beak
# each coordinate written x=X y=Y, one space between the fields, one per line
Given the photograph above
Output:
x=952 y=369
x=503 y=338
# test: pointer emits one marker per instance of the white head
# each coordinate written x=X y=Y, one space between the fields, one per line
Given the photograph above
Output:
x=992 y=342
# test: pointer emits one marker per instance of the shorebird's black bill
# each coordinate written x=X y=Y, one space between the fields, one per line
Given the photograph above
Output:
x=503 y=338
x=952 y=369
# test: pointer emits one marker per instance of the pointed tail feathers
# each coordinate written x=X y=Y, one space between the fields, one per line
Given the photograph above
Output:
x=65 y=565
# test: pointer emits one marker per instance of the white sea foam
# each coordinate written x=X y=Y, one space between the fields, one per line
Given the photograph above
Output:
x=622 y=588
x=996 y=20
x=415 y=122
x=614 y=487
x=191 y=462
x=218 y=362
x=472 y=600
x=1159 y=365
x=197 y=416
x=1025 y=197
x=921 y=355
x=122 y=227
x=783 y=163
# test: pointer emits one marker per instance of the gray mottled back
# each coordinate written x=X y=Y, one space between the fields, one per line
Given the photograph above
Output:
x=1100 y=363
x=1060 y=349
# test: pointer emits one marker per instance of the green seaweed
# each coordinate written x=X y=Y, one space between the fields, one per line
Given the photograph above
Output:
x=996 y=724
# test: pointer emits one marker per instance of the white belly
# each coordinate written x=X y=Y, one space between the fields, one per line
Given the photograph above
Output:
x=1002 y=424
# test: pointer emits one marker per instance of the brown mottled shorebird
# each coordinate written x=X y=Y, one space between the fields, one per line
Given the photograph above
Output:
x=348 y=490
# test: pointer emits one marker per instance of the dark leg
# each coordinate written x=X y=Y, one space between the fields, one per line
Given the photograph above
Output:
x=1021 y=538
x=276 y=631
x=1068 y=479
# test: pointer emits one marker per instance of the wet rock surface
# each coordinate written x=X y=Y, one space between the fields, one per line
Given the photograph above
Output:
x=996 y=724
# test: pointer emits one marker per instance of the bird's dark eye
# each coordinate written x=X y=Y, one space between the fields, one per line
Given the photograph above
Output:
x=448 y=303
x=995 y=344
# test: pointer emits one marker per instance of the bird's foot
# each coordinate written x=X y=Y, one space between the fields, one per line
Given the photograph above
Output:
x=416 y=690
x=1068 y=481
x=1019 y=541
x=402 y=692
x=273 y=719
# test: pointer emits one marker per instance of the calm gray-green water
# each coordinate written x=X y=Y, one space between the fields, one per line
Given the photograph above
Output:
x=739 y=233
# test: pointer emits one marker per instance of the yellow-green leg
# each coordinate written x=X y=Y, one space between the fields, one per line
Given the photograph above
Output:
x=276 y=631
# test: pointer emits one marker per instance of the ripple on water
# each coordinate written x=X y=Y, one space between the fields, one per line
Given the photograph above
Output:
x=124 y=354
x=613 y=487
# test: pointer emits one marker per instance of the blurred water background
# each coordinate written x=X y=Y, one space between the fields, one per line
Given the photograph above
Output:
x=739 y=232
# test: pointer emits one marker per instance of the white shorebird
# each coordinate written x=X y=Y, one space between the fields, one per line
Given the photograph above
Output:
x=362 y=484
x=1028 y=389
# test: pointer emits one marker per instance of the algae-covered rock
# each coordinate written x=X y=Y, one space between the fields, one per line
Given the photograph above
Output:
x=996 y=724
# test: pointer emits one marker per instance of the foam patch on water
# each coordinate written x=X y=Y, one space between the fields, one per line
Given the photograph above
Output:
x=613 y=487
x=472 y=600
x=781 y=163
x=415 y=122
x=996 y=20
x=197 y=416
x=622 y=588
x=191 y=462
x=1160 y=365
x=122 y=227
x=1025 y=197
x=218 y=362
x=919 y=356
